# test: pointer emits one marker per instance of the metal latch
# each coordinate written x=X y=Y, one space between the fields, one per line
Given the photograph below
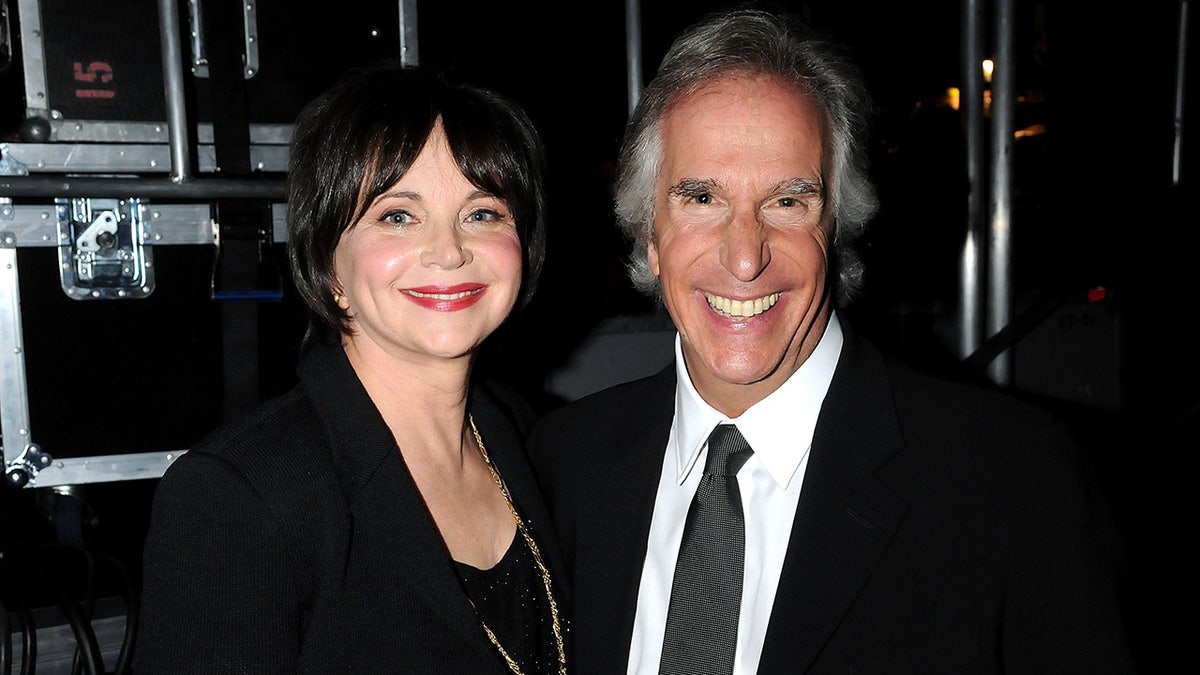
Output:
x=102 y=254
x=24 y=469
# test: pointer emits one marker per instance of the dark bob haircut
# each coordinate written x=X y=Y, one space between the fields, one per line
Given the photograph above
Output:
x=359 y=137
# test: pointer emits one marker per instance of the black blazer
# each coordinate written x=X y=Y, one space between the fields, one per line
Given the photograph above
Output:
x=295 y=541
x=941 y=529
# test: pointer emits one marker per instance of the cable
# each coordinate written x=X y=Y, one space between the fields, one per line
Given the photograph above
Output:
x=29 y=642
x=85 y=638
x=5 y=639
x=23 y=620
x=124 y=665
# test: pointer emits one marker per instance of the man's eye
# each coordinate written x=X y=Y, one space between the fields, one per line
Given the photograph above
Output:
x=703 y=198
x=788 y=202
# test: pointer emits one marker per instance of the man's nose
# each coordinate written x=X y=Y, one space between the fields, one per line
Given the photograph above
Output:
x=745 y=251
x=446 y=248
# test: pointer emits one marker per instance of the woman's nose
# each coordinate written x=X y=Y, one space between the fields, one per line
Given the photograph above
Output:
x=446 y=248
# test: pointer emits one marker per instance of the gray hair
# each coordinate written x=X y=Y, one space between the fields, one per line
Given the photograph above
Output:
x=754 y=42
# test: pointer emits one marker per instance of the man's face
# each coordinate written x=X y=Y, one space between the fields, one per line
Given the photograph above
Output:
x=740 y=242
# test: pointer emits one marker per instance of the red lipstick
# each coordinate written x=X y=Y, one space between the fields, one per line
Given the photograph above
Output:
x=445 y=298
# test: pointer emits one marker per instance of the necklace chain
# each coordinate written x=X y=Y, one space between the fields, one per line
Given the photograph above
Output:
x=537 y=558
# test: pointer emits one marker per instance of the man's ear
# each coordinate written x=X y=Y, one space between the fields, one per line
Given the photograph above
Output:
x=652 y=255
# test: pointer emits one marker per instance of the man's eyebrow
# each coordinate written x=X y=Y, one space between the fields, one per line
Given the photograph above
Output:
x=691 y=187
x=799 y=186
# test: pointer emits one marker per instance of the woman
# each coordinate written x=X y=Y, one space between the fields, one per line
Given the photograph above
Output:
x=380 y=517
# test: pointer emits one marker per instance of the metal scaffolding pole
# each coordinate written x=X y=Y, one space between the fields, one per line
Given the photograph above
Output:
x=1180 y=94
x=633 y=51
x=172 y=62
x=999 y=244
x=410 y=55
x=970 y=280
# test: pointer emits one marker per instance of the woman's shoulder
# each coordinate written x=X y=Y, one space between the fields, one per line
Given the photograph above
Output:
x=279 y=421
x=277 y=442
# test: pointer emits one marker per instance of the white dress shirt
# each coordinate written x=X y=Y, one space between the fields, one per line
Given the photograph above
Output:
x=779 y=429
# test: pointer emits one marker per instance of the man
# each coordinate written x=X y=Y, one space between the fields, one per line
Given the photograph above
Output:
x=888 y=522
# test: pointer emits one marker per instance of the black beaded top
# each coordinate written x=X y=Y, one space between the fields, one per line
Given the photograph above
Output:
x=511 y=600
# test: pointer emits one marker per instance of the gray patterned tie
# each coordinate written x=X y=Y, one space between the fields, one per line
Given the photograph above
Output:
x=702 y=620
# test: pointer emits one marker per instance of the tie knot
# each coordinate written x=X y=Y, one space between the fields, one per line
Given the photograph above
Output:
x=727 y=451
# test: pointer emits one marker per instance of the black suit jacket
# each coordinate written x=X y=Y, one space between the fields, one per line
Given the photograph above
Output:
x=295 y=541
x=941 y=528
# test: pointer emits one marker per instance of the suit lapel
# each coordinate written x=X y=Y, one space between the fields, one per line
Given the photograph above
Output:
x=626 y=462
x=845 y=517
x=396 y=552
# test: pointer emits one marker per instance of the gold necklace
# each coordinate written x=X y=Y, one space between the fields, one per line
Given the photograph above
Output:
x=537 y=558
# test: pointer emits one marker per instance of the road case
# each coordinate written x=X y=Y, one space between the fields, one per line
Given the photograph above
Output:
x=143 y=292
x=141 y=217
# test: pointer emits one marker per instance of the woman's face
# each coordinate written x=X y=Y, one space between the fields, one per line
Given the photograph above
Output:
x=434 y=265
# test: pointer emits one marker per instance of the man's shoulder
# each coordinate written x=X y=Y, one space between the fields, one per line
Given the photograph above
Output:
x=959 y=396
x=640 y=397
x=962 y=421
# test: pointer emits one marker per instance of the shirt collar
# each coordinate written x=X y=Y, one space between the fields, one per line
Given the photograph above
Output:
x=779 y=428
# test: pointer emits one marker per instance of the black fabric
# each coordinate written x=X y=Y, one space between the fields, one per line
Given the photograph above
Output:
x=510 y=599
x=225 y=41
x=295 y=541
x=941 y=528
x=706 y=593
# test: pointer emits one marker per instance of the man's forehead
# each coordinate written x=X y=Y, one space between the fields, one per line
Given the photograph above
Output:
x=740 y=93
x=742 y=159
x=734 y=116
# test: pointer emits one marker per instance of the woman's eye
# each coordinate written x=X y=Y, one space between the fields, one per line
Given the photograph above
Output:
x=398 y=217
x=484 y=216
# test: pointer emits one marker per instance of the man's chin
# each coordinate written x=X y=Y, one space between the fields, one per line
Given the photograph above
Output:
x=742 y=369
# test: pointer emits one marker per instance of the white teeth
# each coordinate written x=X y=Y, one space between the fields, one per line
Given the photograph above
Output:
x=741 y=308
x=443 y=296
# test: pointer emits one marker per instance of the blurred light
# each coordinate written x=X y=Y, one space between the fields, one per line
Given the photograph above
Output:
x=988 y=67
x=1097 y=294
x=952 y=97
x=1031 y=130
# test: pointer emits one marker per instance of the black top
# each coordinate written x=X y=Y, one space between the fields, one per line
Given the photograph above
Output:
x=510 y=599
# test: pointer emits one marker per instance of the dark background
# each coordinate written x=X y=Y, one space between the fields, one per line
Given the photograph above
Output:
x=1094 y=206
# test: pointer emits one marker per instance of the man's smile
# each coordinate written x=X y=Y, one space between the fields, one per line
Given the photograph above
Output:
x=741 y=308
